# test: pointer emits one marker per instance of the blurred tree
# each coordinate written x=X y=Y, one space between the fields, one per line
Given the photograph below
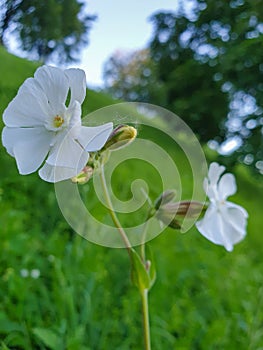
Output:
x=191 y=91
x=57 y=28
x=8 y=11
x=131 y=76
x=207 y=58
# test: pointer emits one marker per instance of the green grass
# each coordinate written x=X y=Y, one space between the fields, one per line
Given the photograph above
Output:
x=204 y=297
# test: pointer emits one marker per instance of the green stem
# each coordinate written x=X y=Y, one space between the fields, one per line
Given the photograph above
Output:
x=146 y=323
x=144 y=294
x=112 y=212
x=143 y=256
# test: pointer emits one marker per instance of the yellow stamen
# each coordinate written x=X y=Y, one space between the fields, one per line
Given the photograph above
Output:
x=58 y=121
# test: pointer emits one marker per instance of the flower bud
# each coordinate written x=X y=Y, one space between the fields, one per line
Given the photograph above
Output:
x=164 y=198
x=168 y=218
x=171 y=213
x=84 y=176
x=121 y=137
x=191 y=209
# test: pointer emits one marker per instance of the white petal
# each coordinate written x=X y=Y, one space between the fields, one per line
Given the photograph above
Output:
x=94 y=138
x=240 y=209
x=206 y=226
x=210 y=190
x=226 y=232
x=10 y=137
x=212 y=193
x=237 y=218
x=214 y=229
x=234 y=223
x=214 y=172
x=205 y=184
x=25 y=110
x=77 y=84
x=226 y=226
x=29 y=146
x=13 y=136
x=211 y=182
x=54 y=174
x=66 y=152
x=32 y=87
x=74 y=113
x=227 y=186
x=55 y=85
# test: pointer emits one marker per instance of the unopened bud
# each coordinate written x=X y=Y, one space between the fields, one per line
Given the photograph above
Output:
x=168 y=219
x=121 y=137
x=84 y=176
x=165 y=197
x=171 y=213
x=175 y=225
x=191 y=209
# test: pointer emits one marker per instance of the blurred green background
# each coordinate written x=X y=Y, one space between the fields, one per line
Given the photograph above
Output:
x=58 y=291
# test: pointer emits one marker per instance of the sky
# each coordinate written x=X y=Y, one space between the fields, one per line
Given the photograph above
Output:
x=120 y=25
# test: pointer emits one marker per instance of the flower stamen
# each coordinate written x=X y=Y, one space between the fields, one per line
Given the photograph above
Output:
x=58 y=121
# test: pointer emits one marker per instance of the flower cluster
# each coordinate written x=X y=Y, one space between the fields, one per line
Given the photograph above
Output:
x=43 y=130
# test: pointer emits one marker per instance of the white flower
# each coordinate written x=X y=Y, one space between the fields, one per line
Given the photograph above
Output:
x=43 y=123
x=35 y=273
x=24 y=273
x=224 y=222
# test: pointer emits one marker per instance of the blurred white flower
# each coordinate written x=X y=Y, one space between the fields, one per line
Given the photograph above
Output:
x=35 y=273
x=43 y=123
x=224 y=222
x=24 y=273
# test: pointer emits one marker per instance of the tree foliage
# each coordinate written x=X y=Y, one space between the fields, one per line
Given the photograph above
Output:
x=208 y=61
x=126 y=73
x=8 y=12
x=57 y=28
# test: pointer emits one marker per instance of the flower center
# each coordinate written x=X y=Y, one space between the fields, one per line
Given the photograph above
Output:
x=58 y=121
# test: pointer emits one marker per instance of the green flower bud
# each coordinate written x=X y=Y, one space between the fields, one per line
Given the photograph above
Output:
x=121 y=137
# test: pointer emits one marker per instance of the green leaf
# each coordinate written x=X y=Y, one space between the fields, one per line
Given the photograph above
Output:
x=4 y=347
x=140 y=276
x=48 y=337
x=8 y=326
